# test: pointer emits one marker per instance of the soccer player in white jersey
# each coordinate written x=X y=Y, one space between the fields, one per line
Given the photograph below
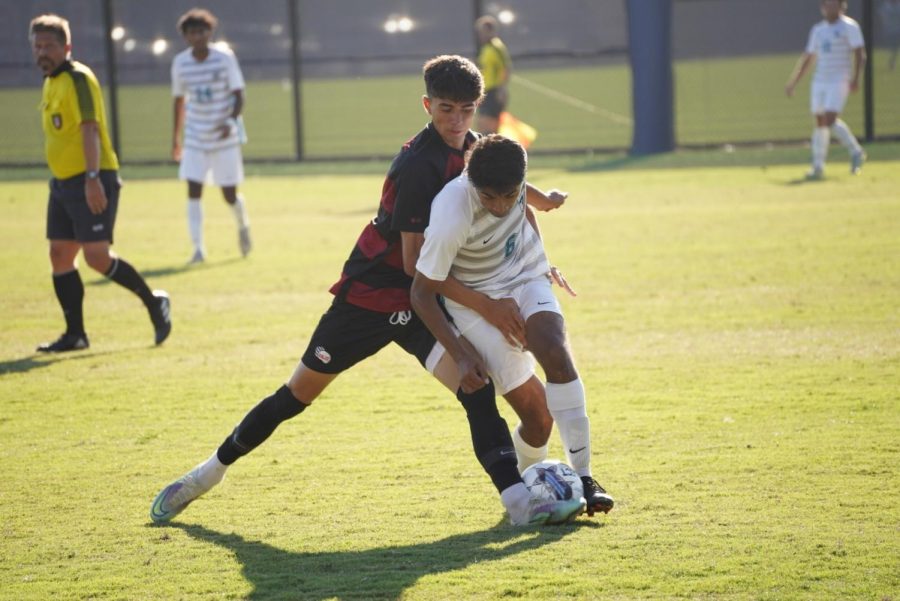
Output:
x=836 y=44
x=208 y=88
x=483 y=233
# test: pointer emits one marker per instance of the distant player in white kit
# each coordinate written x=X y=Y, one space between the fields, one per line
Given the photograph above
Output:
x=208 y=88
x=832 y=42
x=482 y=233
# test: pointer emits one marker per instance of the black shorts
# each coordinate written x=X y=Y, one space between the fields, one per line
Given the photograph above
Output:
x=494 y=102
x=68 y=215
x=347 y=334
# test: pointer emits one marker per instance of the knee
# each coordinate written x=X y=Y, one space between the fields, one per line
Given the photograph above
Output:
x=557 y=363
x=98 y=261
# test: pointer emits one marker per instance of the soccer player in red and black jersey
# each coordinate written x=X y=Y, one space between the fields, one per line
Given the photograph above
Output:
x=372 y=309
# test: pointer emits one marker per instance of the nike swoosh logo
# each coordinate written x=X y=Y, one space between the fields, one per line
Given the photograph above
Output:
x=573 y=451
x=545 y=303
x=486 y=240
x=507 y=453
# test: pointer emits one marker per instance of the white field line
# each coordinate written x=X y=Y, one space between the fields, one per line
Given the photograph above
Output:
x=571 y=101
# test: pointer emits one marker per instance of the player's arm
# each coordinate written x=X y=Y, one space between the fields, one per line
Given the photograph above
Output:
x=859 y=62
x=93 y=189
x=177 y=126
x=503 y=314
x=800 y=68
x=423 y=295
x=544 y=201
x=237 y=105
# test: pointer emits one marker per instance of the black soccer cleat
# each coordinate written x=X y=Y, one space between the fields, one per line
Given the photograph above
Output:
x=161 y=316
x=596 y=496
x=66 y=342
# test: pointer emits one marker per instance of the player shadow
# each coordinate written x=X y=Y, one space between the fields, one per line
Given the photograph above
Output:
x=40 y=360
x=802 y=180
x=174 y=270
x=381 y=572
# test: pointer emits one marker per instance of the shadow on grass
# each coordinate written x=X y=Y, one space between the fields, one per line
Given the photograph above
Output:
x=164 y=271
x=379 y=573
x=39 y=360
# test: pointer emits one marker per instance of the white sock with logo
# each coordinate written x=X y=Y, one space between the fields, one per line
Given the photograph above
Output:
x=821 y=138
x=566 y=403
x=842 y=132
x=211 y=471
x=525 y=453
x=240 y=212
x=195 y=222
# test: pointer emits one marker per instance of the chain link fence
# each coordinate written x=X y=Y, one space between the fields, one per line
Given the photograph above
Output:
x=341 y=79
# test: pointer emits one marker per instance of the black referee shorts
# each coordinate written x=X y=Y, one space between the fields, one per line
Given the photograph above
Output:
x=347 y=334
x=494 y=102
x=68 y=215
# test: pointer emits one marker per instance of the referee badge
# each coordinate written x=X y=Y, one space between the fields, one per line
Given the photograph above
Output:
x=56 y=118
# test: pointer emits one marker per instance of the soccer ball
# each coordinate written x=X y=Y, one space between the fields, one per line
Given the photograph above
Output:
x=553 y=480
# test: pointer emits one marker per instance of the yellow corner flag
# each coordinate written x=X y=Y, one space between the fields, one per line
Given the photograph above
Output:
x=514 y=129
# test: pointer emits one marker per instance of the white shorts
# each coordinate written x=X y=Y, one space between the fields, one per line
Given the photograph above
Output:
x=828 y=97
x=510 y=366
x=224 y=167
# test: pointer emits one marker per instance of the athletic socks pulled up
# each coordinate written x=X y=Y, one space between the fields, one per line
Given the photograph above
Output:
x=490 y=436
x=70 y=293
x=259 y=424
x=123 y=274
x=566 y=403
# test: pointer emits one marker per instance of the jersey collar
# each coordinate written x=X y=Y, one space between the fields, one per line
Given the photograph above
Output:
x=65 y=66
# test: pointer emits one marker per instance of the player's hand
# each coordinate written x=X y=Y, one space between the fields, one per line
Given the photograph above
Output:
x=789 y=90
x=556 y=276
x=95 y=196
x=854 y=86
x=556 y=199
x=505 y=315
x=224 y=131
x=176 y=152
x=472 y=373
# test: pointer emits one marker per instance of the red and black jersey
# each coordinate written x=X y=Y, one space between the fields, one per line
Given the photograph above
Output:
x=373 y=276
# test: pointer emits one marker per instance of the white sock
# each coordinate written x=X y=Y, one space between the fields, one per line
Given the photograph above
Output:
x=240 y=212
x=842 y=132
x=195 y=222
x=515 y=499
x=211 y=471
x=821 y=138
x=567 y=406
x=525 y=453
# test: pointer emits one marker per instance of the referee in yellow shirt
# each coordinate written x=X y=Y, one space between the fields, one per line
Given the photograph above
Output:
x=495 y=66
x=84 y=188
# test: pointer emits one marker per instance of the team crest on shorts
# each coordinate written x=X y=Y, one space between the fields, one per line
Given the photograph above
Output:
x=56 y=118
x=323 y=355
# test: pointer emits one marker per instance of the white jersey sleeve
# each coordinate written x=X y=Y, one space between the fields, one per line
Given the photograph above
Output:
x=447 y=231
x=235 y=76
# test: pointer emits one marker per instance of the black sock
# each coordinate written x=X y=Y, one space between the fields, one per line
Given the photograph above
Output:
x=259 y=424
x=490 y=436
x=123 y=274
x=70 y=293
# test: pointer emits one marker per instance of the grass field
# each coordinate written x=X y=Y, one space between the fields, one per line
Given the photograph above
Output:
x=717 y=101
x=737 y=331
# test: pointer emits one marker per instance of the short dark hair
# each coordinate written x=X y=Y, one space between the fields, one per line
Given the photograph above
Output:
x=51 y=23
x=453 y=77
x=496 y=163
x=197 y=17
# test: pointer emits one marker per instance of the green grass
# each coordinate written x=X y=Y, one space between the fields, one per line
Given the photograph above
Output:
x=737 y=332
x=717 y=101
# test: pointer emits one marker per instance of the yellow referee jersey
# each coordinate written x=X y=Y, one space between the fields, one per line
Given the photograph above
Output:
x=71 y=96
x=495 y=64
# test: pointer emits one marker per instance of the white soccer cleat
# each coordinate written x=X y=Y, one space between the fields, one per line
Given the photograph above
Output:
x=815 y=174
x=175 y=498
x=198 y=257
x=856 y=162
x=541 y=511
x=244 y=241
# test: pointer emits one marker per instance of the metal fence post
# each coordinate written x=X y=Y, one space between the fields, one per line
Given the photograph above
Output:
x=113 y=84
x=296 y=75
x=868 y=26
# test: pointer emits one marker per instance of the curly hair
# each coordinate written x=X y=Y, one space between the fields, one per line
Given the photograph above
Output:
x=496 y=163
x=197 y=17
x=453 y=77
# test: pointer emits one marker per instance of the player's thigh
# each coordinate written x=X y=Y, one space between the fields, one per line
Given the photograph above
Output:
x=307 y=384
x=194 y=166
x=227 y=166
x=443 y=367
x=508 y=366
x=346 y=335
x=835 y=98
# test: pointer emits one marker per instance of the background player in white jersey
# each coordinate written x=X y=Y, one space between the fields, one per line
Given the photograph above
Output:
x=483 y=233
x=208 y=88
x=832 y=43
